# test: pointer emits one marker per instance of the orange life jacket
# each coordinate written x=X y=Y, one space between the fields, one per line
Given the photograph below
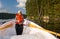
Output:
x=19 y=19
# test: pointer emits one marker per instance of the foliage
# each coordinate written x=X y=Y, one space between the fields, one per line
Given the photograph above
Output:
x=37 y=9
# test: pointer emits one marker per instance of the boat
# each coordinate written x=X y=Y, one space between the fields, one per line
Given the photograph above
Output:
x=31 y=31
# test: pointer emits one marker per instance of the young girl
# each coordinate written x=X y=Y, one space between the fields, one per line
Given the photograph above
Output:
x=19 y=23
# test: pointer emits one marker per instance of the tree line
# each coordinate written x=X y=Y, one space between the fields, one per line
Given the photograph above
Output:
x=8 y=16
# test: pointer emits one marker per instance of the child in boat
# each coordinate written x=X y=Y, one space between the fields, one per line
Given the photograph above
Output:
x=19 y=23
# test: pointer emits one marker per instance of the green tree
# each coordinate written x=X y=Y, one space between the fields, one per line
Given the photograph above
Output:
x=36 y=9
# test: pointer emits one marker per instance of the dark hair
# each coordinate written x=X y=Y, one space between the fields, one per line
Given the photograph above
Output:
x=21 y=13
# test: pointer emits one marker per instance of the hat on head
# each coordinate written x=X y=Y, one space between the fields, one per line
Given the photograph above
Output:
x=19 y=11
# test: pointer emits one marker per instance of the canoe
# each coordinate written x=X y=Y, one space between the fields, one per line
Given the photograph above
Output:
x=31 y=31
